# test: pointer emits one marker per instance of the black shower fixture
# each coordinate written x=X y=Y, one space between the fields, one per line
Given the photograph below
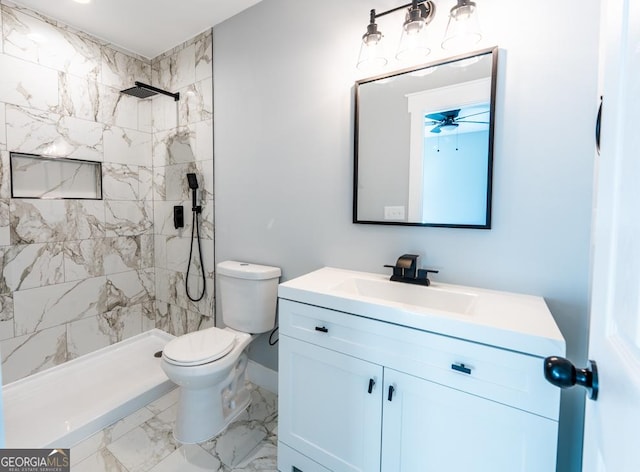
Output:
x=193 y=185
x=196 y=209
x=145 y=91
x=192 y=180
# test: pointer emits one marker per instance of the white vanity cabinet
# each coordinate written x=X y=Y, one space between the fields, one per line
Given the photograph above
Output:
x=357 y=393
x=430 y=427
x=329 y=415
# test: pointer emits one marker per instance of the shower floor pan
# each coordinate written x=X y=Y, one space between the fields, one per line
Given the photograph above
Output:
x=61 y=406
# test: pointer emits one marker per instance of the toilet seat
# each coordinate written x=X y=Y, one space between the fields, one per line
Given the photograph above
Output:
x=199 y=347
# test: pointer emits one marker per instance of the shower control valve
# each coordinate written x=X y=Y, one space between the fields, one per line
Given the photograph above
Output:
x=178 y=216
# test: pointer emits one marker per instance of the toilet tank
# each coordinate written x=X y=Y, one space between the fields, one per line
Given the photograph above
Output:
x=248 y=295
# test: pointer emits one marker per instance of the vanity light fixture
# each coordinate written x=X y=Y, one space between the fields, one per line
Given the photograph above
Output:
x=463 y=31
x=371 y=52
x=412 y=43
x=463 y=28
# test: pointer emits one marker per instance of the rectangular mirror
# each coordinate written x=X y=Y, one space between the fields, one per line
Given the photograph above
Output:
x=424 y=144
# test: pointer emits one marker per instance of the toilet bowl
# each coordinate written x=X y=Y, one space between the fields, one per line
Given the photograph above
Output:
x=209 y=365
x=212 y=382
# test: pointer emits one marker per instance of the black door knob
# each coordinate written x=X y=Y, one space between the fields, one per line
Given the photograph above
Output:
x=562 y=373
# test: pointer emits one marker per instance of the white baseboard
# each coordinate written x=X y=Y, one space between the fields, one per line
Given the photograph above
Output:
x=262 y=376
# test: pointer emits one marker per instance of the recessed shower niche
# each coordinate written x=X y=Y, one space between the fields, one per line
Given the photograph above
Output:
x=34 y=176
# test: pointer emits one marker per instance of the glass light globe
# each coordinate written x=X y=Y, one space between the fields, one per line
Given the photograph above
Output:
x=463 y=28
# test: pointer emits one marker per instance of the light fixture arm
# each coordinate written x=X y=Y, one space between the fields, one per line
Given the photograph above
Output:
x=372 y=36
x=372 y=27
x=427 y=6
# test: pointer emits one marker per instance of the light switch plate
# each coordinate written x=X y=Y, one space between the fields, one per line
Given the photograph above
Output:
x=395 y=213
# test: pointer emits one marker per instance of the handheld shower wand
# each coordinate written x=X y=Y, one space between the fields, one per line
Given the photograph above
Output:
x=193 y=185
x=196 y=209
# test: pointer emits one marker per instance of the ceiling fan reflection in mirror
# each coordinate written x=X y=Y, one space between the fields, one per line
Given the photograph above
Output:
x=450 y=120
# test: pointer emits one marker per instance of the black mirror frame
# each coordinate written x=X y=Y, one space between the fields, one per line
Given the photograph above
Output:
x=494 y=75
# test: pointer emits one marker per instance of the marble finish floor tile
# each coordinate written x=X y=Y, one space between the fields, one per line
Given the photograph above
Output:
x=143 y=442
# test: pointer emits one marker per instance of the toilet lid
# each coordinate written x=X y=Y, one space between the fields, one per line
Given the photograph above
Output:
x=200 y=347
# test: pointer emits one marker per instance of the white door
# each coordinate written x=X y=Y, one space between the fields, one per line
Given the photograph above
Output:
x=612 y=428
x=429 y=427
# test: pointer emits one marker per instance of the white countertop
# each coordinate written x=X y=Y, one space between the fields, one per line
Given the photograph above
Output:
x=511 y=321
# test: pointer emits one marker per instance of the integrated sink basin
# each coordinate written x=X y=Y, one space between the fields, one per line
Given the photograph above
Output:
x=416 y=295
x=509 y=320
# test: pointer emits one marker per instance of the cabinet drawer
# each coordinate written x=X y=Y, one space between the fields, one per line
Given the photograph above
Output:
x=507 y=377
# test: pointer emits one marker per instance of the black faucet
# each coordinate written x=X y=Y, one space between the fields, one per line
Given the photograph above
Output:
x=406 y=270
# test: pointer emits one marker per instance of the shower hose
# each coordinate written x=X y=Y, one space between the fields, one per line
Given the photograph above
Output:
x=195 y=228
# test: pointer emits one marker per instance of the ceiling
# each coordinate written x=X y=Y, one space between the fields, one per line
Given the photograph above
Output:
x=144 y=27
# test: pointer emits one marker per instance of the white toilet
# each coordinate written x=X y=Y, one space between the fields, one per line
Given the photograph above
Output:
x=209 y=365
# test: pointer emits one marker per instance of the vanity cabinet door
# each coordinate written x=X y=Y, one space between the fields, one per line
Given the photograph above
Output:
x=429 y=427
x=331 y=407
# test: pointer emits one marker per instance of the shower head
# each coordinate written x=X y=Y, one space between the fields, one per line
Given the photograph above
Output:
x=146 y=91
x=139 y=92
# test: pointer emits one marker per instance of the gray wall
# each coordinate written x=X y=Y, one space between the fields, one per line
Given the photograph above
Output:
x=283 y=77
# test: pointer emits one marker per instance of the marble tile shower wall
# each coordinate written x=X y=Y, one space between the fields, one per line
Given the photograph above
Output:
x=78 y=275
x=183 y=143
